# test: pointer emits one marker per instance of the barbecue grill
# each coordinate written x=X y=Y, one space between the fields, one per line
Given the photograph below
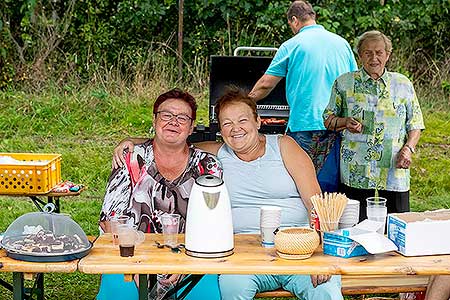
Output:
x=243 y=72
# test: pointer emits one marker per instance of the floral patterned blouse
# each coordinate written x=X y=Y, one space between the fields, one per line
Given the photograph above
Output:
x=388 y=109
x=141 y=192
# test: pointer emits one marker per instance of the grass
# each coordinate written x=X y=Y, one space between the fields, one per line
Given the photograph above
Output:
x=85 y=126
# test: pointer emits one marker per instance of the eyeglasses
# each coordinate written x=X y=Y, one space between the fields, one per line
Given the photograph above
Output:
x=167 y=116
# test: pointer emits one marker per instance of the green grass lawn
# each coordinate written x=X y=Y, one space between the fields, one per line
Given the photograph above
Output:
x=85 y=128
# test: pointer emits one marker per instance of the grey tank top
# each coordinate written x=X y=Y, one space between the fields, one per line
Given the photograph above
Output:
x=264 y=181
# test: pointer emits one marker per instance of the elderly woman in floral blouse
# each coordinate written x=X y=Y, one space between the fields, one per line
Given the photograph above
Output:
x=379 y=116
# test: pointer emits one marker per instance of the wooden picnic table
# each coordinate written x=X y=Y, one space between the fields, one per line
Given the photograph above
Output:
x=28 y=270
x=249 y=258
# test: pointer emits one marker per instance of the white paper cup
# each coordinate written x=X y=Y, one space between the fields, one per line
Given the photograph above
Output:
x=350 y=216
x=268 y=236
x=270 y=221
x=270 y=216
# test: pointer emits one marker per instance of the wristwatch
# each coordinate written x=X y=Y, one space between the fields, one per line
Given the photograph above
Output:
x=410 y=148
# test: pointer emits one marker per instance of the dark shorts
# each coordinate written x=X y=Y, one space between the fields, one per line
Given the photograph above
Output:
x=322 y=147
x=396 y=201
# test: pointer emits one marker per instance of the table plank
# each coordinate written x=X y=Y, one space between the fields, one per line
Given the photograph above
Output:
x=13 y=265
x=251 y=258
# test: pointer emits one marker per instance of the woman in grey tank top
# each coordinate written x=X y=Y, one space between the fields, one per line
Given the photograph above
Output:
x=265 y=170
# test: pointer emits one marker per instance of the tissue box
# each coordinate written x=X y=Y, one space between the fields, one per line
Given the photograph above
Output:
x=337 y=244
x=421 y=233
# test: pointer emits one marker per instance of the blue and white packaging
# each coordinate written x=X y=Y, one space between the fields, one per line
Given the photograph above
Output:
x=337 y=243
x=356 y=241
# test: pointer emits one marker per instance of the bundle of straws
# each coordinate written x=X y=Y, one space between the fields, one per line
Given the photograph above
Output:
x=329 y=207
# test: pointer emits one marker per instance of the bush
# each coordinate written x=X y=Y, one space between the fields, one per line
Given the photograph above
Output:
x=72 y=41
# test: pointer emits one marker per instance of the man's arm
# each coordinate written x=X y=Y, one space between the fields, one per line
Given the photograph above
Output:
x=337 y=124
x=264 y=86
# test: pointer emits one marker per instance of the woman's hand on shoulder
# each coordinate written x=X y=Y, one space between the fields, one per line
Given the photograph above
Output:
x=209 y=146
x=118 y=160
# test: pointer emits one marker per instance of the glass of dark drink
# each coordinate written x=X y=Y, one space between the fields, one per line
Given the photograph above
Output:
x=129 y=237
x=126 y=250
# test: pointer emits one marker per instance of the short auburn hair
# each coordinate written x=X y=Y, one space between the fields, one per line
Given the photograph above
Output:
x=177 y=94
x=234 y=94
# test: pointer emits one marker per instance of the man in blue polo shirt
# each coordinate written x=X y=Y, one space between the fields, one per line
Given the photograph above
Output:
x=310 y=61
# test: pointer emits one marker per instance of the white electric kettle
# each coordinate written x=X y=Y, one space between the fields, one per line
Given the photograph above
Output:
x=209 y=225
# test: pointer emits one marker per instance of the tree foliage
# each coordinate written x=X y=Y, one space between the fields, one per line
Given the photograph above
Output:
x=56 y=39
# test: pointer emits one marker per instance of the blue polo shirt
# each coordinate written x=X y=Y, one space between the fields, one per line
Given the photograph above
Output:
x=311 y=61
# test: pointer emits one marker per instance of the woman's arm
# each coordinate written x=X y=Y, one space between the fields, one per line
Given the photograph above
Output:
x=209 y=146
x=301 y=169
x=118 y=158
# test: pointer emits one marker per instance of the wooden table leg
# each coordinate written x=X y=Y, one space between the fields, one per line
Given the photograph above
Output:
x=18 y=286
x=143 y=287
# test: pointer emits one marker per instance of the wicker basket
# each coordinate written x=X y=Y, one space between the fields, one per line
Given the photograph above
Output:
x=296 y=242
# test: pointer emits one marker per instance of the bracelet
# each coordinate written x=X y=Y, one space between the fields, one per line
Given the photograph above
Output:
x=410 y=148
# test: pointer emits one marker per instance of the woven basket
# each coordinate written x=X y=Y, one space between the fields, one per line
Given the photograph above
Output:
x=296 y=242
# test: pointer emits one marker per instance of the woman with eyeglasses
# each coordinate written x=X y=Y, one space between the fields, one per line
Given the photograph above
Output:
x=158 y=175
x=259 y=170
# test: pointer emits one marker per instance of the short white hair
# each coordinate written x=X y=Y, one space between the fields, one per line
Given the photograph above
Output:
x=374 y=35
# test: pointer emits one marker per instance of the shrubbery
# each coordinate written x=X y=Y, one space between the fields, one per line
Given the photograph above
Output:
x=65 y=41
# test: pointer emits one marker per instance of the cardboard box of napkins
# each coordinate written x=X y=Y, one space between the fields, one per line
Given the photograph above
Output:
x=420 y=233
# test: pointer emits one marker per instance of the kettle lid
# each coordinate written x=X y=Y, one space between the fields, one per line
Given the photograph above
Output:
x=209 y=180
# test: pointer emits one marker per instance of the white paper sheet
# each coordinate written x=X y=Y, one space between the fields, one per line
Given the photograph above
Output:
x=365 y=234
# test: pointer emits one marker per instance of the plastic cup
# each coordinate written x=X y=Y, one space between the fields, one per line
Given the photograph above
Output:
x=377 y=211
x=170 y=227
x=129 y=237
x=115 y=221
x=159 y=291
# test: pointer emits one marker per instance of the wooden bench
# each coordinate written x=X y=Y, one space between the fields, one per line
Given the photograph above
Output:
x=375 y=284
